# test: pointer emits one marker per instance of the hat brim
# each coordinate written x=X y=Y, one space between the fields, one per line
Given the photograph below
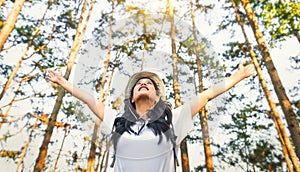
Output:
x=145 y=74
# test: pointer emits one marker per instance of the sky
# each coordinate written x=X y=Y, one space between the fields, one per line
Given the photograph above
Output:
x=207 y=28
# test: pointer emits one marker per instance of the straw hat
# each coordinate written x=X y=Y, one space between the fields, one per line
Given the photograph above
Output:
x=145 y=74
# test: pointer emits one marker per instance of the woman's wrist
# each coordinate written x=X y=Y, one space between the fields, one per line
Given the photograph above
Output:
x=61 y=80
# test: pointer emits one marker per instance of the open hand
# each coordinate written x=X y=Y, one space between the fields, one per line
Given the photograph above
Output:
x=54 y=76
x=246 y=70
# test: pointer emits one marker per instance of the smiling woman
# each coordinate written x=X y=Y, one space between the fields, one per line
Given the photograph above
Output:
x=146 y=136
x=138 y=132
x=144 y=90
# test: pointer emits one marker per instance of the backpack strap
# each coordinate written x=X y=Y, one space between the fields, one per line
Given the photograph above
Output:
x=173 y=140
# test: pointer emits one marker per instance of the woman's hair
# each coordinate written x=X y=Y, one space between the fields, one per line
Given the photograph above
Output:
x=159 y=120
x=159 y=117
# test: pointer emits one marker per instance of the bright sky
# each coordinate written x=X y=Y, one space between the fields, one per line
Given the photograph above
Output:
x=280 y=56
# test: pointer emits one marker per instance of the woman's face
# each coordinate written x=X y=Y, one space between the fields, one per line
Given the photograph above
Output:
x=144 y=88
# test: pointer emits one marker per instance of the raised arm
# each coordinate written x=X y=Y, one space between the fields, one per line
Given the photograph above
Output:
x=97 y=107
x=200 y=100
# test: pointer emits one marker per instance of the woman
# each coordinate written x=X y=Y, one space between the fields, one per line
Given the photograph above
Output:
x=147 y=134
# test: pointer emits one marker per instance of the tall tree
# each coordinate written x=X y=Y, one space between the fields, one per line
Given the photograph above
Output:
x=284 y=101
x=25 y=147
x=183 y=145
x=203 y=113
x=78 y=39
x=283 y=137
x=67 y=131
x=1 y=2
x=249 y=146
x=30 y=43
x=94 y=141
x=10 y=22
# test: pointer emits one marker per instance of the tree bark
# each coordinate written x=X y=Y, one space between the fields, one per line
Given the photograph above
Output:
x=183 y=145
x=66 y=128
x=40 y=161
x=284 y=101
x=1 y=2
x=94 y=143
x=25 y=147
x=18 y=65
x=284 y=140
x=283 y=137
x=203 y=114
x=10 y=22
x=101 y=97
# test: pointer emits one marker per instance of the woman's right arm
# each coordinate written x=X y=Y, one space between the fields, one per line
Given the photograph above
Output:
x=97 y=107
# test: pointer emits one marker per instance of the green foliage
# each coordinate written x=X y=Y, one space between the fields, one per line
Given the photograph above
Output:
x=1 y=23
x=10 y=154
x=280 y=19
x=118 y=1
x=229 y=21
x=142 y=42
x=204 y=8
x=249 y=143
x=265 y=156
x=239 y=51
x=71 y=108
x=68 y=19
x=5 y=70
x=236 y=50
x=211 y=67
x=25 y=34
x=51 y=45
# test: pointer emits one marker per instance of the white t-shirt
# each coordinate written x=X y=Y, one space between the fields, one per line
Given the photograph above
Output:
x=136 y=153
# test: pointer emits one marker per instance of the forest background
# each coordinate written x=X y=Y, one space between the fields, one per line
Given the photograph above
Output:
x=98 y=44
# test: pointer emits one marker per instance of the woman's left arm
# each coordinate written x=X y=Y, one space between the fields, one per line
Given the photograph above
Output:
x=201 y=99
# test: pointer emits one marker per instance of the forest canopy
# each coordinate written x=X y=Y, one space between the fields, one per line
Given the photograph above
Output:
x=98 y=45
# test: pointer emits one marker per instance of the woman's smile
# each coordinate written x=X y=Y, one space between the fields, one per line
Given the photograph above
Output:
x=143 y=87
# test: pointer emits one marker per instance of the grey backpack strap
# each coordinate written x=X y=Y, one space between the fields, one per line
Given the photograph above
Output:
x=173 y=140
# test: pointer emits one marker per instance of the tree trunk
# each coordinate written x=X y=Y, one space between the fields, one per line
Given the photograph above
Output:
x=10 y=22
x=66 y=128
x=99 y=164
x=94 y=143
x=1 y=2
x=183 y=145
x=18 y=65
x=101 y=97
x=284 y=139
x=284 y=101
x=25 y=147
x=297 y=35
x=203 y=114
x=10 y=105
x=40 y=161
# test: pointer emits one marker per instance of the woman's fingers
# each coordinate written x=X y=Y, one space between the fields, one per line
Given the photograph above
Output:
x=249 y=69
x=51 y=74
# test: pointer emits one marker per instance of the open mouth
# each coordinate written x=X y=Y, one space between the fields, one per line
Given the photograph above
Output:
x=143 y=87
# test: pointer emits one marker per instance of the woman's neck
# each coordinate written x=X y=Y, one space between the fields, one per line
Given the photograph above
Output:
x=142 y=106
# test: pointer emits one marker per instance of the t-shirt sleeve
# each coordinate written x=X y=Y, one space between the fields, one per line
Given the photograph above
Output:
x=108 y=120
x=182 y=122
